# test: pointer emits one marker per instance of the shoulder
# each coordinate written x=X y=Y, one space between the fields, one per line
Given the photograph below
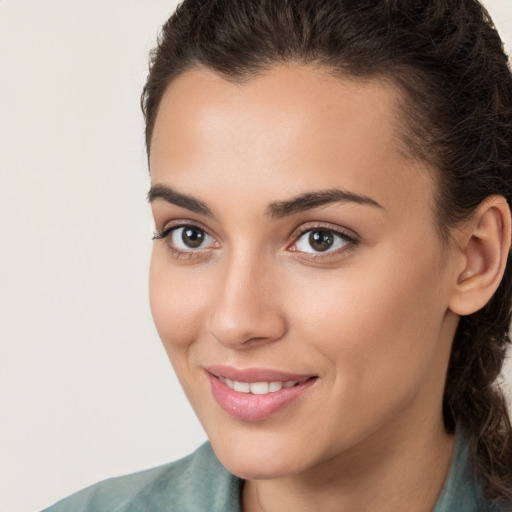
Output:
x=462 y=491
x=195 y=483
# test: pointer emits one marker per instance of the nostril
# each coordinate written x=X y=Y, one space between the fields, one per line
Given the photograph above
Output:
x=247 y=329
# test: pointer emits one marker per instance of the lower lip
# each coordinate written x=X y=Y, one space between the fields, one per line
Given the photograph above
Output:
x=250 y=407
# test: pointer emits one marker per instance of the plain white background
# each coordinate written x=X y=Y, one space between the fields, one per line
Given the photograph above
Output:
x=86 y=391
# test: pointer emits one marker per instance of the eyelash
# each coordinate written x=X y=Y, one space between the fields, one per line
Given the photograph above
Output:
x=350 y=242
x=180 y=253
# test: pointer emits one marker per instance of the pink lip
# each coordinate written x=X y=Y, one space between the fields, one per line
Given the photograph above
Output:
x=249 y=407
x=255 y=374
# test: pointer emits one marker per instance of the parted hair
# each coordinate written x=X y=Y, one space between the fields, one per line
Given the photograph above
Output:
x=447 y=59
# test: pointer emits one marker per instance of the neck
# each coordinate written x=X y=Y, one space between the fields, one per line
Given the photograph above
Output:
x=403 y=470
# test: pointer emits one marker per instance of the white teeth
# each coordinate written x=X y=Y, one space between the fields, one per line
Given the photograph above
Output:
x=257 y=388
x=243 y=387
x=275 y=386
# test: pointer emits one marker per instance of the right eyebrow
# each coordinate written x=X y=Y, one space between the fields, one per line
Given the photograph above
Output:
x=166 y=193
x=315 y=199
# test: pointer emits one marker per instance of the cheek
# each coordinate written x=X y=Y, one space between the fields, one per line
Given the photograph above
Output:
x=177 y=301
x=379 y=327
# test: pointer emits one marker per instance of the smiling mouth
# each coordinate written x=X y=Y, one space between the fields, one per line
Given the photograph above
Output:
x=260 y=388
x=257 y=394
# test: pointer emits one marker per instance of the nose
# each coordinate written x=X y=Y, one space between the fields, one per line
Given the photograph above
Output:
x=247 y=310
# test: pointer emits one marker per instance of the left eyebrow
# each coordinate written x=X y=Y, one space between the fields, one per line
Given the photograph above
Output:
x=312 y=200
x=174 y=197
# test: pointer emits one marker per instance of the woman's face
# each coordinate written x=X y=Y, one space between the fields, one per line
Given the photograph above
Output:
x=299 y=263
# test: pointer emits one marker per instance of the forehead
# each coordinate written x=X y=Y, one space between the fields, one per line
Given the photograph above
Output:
x=200 y=102
x=297 y=125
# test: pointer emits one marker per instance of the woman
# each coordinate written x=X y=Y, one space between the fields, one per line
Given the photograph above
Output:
x=331 y=183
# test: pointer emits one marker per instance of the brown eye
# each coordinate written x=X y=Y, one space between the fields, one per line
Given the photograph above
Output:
x=188 y=238
x=321 y=240
x=192 y=237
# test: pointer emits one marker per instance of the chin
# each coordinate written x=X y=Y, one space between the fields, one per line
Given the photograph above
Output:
x=263 y=459
x=256 y=469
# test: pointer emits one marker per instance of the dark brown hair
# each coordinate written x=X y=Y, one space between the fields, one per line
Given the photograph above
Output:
x=448 y=60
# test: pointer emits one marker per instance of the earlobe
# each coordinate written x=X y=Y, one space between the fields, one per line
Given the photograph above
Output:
x=484 y=244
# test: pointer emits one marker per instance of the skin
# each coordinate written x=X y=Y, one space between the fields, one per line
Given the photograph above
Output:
x=372 y=320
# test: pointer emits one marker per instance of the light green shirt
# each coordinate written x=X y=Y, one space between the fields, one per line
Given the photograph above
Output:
x=199 y=483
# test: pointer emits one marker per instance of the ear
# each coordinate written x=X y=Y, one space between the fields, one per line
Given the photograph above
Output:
x=483 y=245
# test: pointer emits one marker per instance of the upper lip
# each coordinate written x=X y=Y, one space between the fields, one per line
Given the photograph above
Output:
x=255 y=374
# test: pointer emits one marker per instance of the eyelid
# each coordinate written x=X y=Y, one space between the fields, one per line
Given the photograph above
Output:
x=349 y=235
x=181 y=223
x=166 y=234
